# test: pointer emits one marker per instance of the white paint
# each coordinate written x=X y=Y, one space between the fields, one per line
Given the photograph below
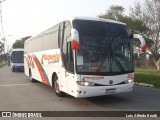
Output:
x=10 y=85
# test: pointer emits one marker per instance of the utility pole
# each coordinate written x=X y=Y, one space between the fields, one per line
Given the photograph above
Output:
x=1 y=1
x=2 y=36
x=4 y=43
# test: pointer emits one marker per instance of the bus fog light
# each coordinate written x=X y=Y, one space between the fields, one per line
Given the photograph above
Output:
x=84 y=83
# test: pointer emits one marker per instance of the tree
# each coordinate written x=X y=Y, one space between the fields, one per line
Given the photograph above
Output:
x=114 y=13
x=135 y=26
x=20 y=43
x=1 y=47
x=117 y=13
x=149 y=12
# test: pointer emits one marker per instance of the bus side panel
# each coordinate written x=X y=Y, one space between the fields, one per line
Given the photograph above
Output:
x=43 y=64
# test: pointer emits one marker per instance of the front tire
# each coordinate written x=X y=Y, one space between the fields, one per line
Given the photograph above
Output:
x=57 y=90
x=13 y=69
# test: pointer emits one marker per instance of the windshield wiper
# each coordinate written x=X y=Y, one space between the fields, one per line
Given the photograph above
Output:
x=103 y=58
x=119 y=64
x=110 y=55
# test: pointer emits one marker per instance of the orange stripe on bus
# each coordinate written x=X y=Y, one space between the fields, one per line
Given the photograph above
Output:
x=40 y=70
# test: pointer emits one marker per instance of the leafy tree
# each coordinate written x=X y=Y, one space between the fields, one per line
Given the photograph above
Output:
x=149 y=12
x=20 y=43
x=114 y=13
x=1 y=47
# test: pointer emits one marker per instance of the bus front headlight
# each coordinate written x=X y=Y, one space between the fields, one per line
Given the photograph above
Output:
x=14 y=66
x=85 y=83
x=129 y=81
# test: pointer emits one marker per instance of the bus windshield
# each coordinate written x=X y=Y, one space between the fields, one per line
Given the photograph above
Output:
x=105 y=48
x=17 y=57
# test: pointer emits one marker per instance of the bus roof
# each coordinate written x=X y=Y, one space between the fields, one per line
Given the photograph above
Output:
x=81 y=18
x=95 y=19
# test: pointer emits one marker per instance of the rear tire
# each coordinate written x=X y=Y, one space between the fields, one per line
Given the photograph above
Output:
x=31 y=78
x=58 y=92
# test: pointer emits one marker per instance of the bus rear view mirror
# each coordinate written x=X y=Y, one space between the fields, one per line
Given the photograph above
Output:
x=75 y=39
x=141 y=39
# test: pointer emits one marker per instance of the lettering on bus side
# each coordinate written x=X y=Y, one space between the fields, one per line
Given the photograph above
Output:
x=51 y=59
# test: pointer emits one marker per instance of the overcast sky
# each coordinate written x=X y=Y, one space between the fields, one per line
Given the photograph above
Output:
x=23 y=18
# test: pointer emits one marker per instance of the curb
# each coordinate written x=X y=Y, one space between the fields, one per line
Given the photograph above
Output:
x=144 y=84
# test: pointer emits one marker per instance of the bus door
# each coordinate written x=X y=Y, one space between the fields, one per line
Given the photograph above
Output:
x=67 y=74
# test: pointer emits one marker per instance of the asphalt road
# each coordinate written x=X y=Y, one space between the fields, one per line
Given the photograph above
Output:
x=17 y=93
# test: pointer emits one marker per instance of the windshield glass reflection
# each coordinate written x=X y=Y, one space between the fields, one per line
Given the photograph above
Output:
x=104 y=47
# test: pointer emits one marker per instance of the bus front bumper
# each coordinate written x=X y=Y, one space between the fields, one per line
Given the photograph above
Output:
x=91 y=91
x=18 y=68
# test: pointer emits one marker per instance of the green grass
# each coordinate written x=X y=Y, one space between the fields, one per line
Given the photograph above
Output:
x=1 y=65
x=148 y=77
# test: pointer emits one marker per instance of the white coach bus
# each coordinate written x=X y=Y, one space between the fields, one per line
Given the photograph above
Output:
x=17 y=59
x=83 y=57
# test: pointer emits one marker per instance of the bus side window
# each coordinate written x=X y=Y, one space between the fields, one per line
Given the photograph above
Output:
x=70 y=65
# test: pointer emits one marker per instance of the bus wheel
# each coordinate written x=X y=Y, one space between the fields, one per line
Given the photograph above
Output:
x=56 y=87
x=13 y=69
x=30 y=77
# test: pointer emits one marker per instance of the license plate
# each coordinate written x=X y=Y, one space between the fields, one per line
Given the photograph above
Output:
x=111 y=91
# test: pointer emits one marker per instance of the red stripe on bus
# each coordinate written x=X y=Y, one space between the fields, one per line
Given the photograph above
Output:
x=40 y=70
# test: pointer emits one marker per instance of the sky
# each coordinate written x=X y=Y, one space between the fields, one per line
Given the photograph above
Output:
x=23 y=18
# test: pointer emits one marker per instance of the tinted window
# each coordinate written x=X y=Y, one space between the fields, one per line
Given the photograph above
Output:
x=104 y=47
x=66 y=47
x=17 y=57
